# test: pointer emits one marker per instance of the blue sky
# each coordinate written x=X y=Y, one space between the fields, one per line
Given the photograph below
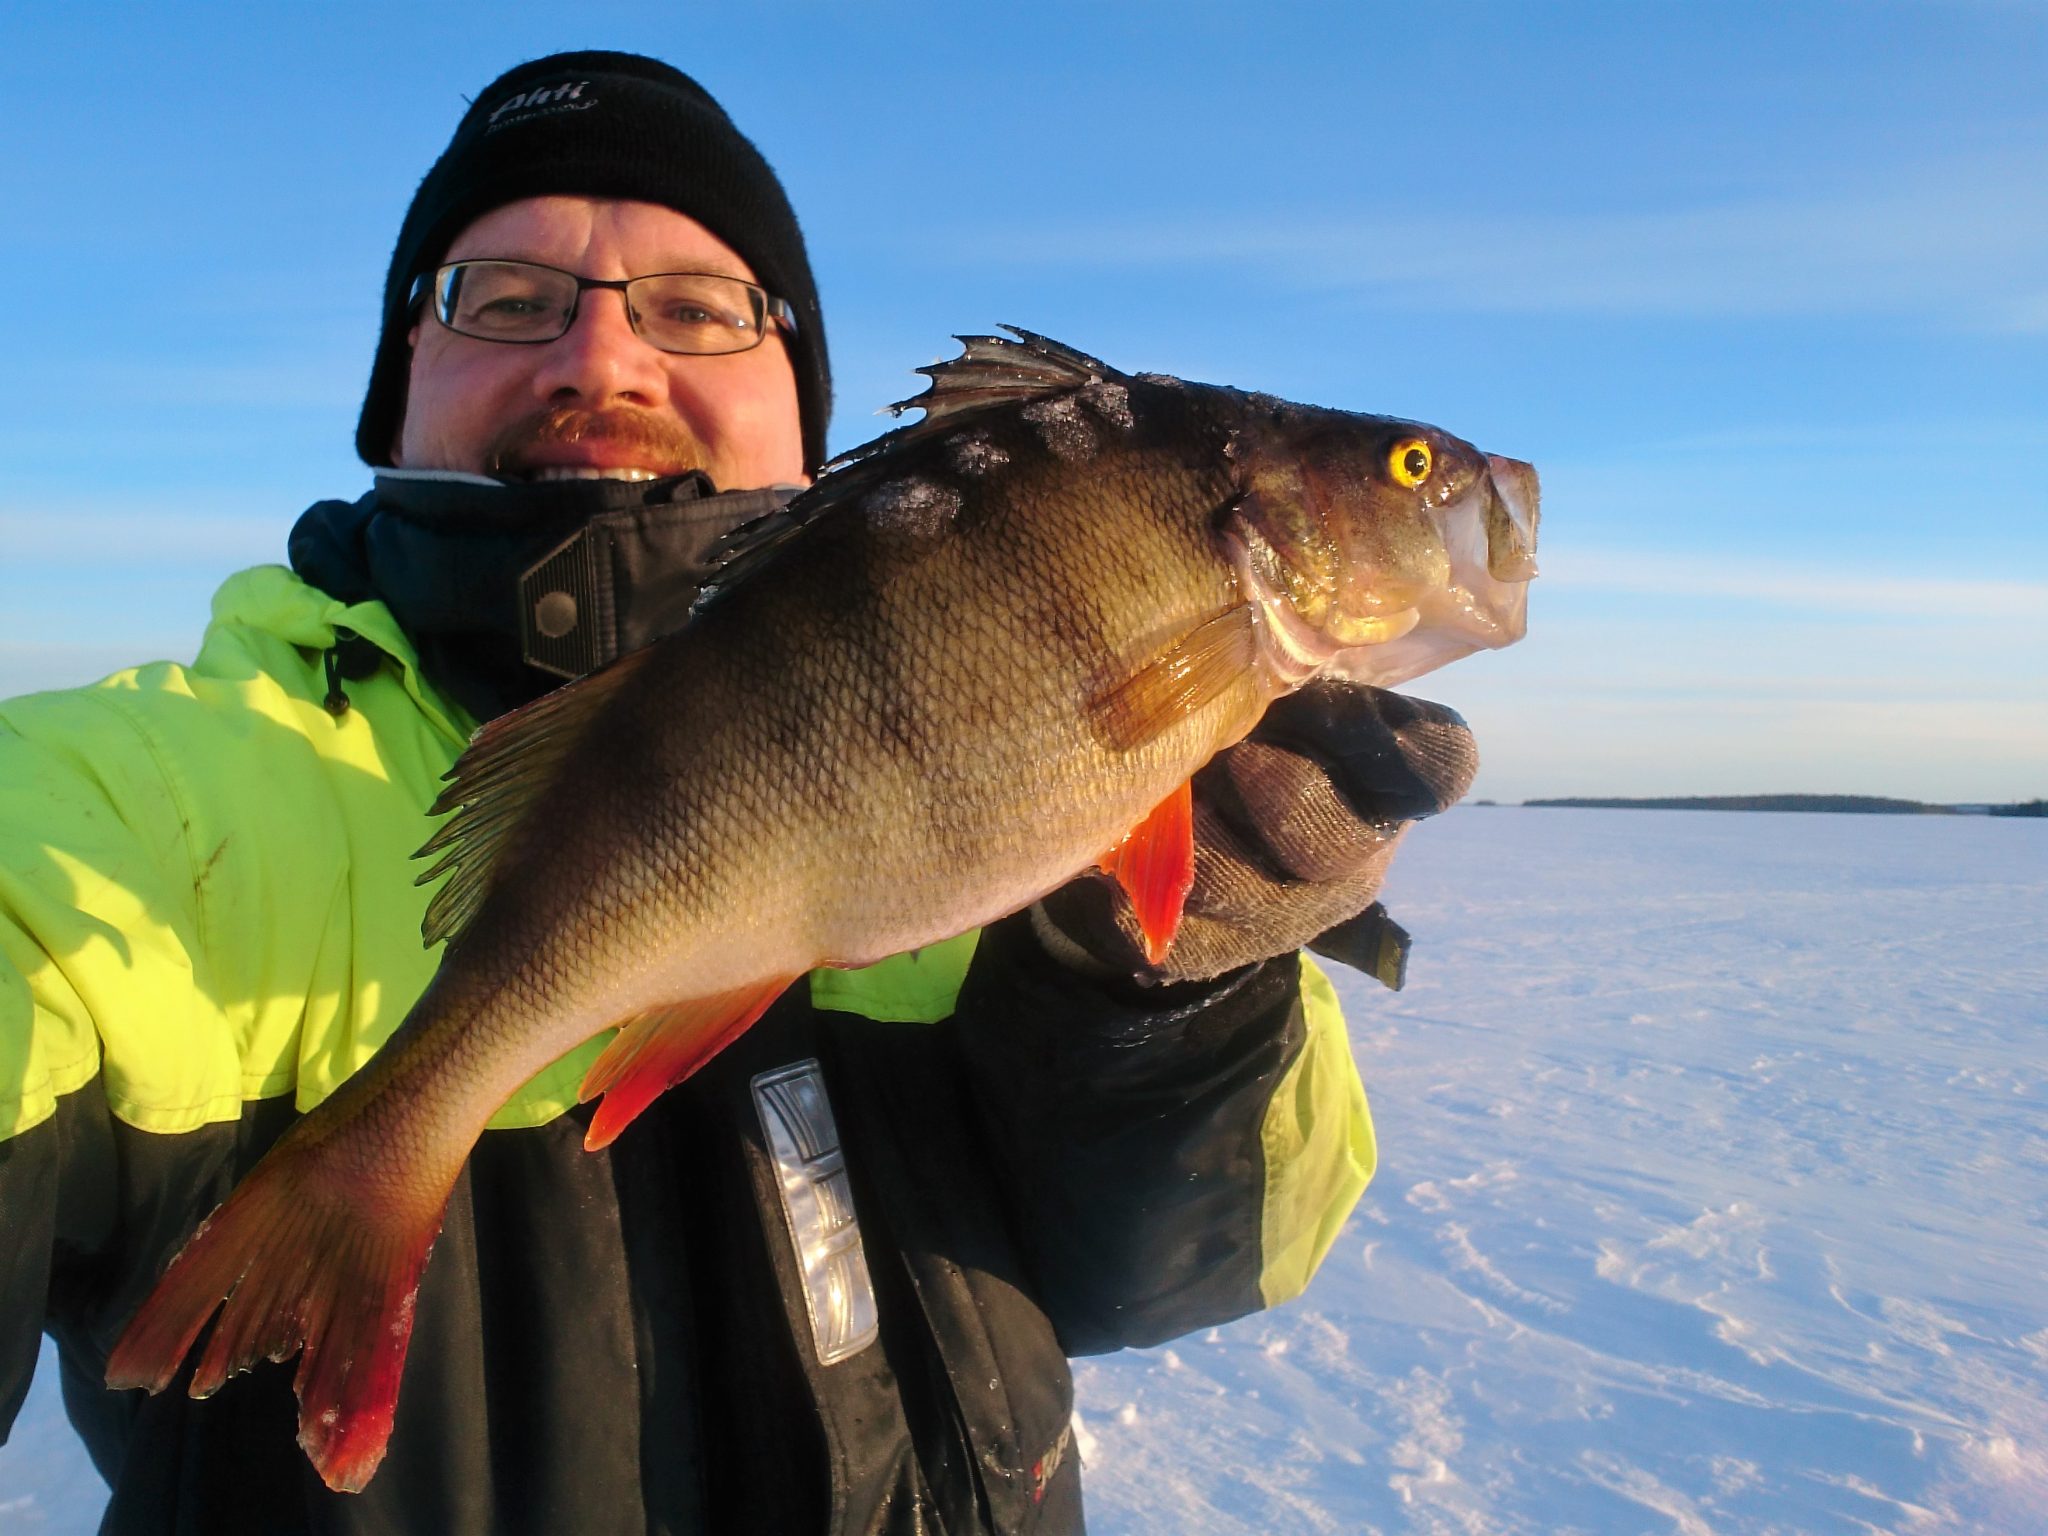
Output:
x=1761 y=290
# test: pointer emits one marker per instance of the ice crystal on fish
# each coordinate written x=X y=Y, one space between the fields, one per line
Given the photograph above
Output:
x=1061 y=428
x=974 y=454
x=916 y=507
x=1111 y=401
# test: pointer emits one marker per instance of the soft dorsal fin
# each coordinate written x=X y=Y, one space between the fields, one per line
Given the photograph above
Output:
x=508 y=765
x=735 y=557
x=991 y=370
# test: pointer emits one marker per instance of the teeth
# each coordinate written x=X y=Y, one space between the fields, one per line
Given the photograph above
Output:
x=587 y=472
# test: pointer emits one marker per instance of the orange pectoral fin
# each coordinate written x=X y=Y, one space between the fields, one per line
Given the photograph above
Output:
x=658 y=1049
x=1184 y=678
x=1155 y=864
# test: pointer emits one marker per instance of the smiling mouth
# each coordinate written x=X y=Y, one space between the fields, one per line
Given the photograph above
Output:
x=572 y=443
x=545 y=472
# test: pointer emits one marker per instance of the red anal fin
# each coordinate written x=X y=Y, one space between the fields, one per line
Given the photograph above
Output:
x=305 y=1262
x=658 y=1049
x=1155 y=864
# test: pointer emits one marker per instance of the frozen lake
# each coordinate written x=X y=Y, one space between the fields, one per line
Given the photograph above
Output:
x=1713 y=1182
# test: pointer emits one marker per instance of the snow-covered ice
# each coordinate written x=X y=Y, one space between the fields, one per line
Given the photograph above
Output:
x=1713 y=1180
x=1713 y=1198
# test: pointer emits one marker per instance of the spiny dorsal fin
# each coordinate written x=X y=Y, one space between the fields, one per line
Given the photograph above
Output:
x=508 y=765
x=991 y=370
x=995 y=368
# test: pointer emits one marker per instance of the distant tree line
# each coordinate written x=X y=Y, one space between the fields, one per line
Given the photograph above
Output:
x=1877 y=805
x=1866 y=804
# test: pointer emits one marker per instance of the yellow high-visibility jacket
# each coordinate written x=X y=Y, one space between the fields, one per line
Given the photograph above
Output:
x=208 y=920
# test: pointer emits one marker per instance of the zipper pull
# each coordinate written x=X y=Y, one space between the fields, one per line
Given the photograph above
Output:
x=336 y=701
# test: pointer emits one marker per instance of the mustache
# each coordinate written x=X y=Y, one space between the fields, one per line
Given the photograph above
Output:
x=659 y=443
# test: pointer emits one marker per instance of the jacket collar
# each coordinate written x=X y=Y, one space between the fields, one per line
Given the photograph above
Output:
x=507 y=590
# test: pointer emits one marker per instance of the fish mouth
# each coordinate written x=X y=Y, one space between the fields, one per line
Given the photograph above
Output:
x=1510 y=519
x=1489 y=535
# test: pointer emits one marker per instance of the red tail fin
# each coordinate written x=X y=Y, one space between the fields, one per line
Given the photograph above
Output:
x=304 y=1262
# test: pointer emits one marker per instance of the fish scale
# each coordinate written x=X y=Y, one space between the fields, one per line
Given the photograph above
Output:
x=983 y=655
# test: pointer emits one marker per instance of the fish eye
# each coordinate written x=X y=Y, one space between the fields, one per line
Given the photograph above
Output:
x=1409 y=461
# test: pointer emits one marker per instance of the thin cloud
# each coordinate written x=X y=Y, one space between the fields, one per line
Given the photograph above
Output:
x=37 y=666
x=1963 y=242
x=1875 y=595
x=1856 y=442
x=1582 y=741
x=328 y=382
x=164 y=534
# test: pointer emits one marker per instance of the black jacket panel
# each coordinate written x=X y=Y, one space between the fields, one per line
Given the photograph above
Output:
x=1128 y=1135
x=619 y=1341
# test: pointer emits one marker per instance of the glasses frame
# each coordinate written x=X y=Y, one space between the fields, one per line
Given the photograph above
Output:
x=427 y=284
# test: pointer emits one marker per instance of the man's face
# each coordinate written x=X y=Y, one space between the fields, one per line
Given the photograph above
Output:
x=598 y=398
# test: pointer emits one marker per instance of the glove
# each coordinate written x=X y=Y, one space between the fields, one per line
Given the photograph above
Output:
x=1294 y=829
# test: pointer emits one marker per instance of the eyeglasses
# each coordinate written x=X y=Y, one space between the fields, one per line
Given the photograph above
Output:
x=526 y=303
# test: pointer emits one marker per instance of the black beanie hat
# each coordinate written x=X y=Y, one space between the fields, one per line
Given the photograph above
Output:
x=601 y=124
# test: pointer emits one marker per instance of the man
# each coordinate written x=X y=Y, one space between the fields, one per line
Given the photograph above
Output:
x=830 y=1283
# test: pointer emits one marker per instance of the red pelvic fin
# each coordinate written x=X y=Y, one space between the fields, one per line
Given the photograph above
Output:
x=303 y=1264
x=1155 y=864
x=659 y=1048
